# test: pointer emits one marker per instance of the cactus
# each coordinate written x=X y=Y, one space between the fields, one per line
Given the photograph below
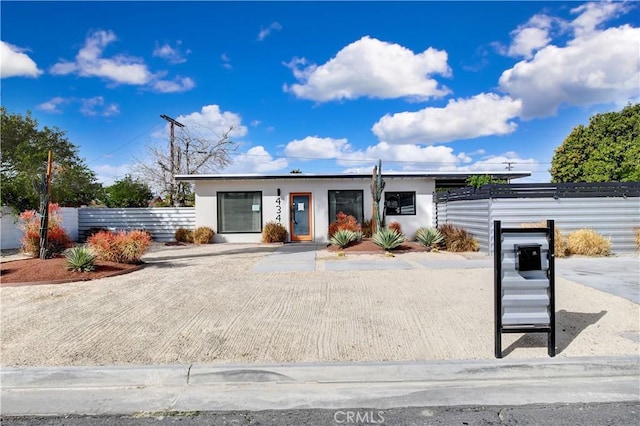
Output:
x=377 y=186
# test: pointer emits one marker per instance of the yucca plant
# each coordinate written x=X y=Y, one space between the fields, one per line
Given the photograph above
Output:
x=429 y=237
x=387 y=238
x=343 y=237
x=80 y=259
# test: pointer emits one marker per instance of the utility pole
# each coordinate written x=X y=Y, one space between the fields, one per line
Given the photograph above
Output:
x=509 y=168
x=45 y=196
x=172 y=158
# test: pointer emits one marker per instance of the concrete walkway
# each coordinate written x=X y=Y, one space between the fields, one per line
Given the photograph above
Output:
x=291 y=258
x=617 y=275
x=196 y=387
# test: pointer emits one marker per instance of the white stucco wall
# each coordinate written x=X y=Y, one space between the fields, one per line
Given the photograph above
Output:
x=11 y=234
x=206 y=202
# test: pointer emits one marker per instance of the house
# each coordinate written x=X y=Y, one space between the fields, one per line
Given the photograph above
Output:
x=237 y=206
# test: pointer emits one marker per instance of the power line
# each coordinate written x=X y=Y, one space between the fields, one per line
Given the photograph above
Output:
x=118 y=148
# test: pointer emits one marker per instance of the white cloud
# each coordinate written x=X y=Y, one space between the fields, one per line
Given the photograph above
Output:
x=265 y=32
x=108 y=174
x=96 y=107
x=51 y=106
x=90 y=63
x=482 y=115
x=409 y=156
x=602 y=68
x=256 y=160
x=15 y=63
x=121 y=69
x=531 y=37
x=592 y=15
x=173 y=55
x=90 y=107
x=502 y=162
x=226 y=61
x=371 y=68
x=179 y=84
x=212 y=122
x=313 y=147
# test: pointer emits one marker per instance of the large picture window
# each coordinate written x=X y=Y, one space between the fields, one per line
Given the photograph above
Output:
x=400 y=203
x=350 y=202
x=239 y=212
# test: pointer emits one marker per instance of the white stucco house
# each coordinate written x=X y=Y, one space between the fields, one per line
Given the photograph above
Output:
x=237 y=206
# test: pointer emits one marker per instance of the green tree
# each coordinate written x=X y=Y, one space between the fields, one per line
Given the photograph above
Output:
x=478 y=181
x=128 y=192
x=23 y=159
x=607 y=150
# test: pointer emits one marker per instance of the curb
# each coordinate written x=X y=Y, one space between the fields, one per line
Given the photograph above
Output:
x=131 y=390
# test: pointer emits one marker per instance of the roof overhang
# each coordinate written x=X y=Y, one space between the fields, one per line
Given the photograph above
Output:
x=441 y=178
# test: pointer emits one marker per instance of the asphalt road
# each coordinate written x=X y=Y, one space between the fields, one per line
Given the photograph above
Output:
x=618 y=413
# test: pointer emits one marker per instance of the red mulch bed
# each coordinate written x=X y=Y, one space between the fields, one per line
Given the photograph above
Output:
x=54 y=271
x=368 y=246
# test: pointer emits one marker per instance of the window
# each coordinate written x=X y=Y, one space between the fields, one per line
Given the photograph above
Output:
x=349 y=202
x=400 y=203
x=239 y=212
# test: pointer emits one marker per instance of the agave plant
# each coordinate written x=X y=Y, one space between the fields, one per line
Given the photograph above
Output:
x=343 y=237
x=429 y=237
x=80 y=259
x=387 y=238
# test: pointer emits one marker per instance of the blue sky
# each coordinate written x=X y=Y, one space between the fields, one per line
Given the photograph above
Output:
x=325 y=87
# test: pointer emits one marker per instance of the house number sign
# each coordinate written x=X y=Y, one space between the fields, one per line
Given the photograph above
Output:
x=278 y=209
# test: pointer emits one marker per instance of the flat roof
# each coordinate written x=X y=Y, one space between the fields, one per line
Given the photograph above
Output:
x=438 y=176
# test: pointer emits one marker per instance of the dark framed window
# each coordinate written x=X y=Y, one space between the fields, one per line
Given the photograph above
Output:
x=239 y=212
x=347 y=201
x=400 y=203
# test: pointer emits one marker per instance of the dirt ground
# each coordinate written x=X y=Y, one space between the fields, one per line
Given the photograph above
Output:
x=205 y=304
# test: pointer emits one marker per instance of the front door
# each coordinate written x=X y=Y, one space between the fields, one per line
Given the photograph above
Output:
x=301 y=217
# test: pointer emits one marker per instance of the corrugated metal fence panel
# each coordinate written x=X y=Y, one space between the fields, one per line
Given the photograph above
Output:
x=471 y=215
x=613 y=217
x=162 y=222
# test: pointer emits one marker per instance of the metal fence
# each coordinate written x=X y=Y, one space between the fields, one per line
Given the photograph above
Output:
x=161 y=222
x=613 y=210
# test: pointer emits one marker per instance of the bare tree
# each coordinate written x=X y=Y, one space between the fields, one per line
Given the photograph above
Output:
x=192 y=153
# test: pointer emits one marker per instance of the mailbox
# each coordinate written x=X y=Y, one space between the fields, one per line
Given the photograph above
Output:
x=524 y=282
x=528 y=257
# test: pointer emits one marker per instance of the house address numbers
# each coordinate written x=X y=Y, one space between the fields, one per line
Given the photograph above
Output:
x=278 y=209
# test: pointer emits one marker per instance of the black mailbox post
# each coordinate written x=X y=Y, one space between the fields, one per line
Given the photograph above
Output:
x=524 y=281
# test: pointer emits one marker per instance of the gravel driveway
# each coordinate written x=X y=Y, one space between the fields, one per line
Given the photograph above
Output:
x=209 y=304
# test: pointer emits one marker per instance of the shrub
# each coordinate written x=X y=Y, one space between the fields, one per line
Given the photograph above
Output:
x=366 y=229
x=588 y=242
x=184 y=235
x=80 y=259
x=456 y=239
x=396 y=227
x=388 y=238
x=560 y=244
x=274 y=232
x=121 y=247
x=344 y=221
x=203 y=235
x=429 y=237
x=343 y=237
x=57 y=238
